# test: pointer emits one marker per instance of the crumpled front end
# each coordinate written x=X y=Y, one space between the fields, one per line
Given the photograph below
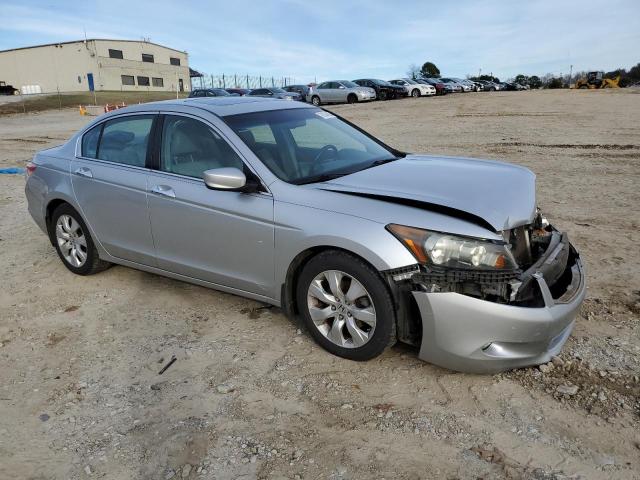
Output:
x=485 y=322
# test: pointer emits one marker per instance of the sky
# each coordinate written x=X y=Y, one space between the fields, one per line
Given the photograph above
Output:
x=320 y=40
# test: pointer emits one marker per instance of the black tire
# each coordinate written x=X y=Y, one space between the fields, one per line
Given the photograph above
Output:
x=315 y=100
x=352 y=98
x=384 y=334
x=382 y=95
x=93 y=263
x=415 y=93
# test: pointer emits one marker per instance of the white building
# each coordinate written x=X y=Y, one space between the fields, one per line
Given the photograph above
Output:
x=95 y=64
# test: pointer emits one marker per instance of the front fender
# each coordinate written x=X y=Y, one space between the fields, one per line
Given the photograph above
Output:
x=299 y=228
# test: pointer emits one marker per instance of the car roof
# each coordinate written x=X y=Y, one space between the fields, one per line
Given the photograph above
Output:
x=221 y=106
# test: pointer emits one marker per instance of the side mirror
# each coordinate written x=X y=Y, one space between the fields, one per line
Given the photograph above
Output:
x=342 y=87
x=228 y=178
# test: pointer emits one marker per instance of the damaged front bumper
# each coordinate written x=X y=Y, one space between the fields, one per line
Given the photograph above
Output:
x=476 y=335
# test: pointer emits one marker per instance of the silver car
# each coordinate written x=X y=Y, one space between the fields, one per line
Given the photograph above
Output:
x=291 y=205
x=339 y=91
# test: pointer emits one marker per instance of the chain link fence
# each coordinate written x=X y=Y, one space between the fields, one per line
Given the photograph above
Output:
x=240 y=81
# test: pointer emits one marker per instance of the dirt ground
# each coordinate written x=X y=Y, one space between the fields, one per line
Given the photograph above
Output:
x=251 y=396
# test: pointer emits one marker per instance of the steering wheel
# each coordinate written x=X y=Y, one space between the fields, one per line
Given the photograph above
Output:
x=323 y=151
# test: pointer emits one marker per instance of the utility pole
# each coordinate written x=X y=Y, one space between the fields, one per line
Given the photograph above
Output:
x=570 y=74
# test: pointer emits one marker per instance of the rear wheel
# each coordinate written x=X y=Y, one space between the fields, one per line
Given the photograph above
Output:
x=346 y=306
x=73 y=242
x=315 y=100
x=415 y=93
x=351 y=98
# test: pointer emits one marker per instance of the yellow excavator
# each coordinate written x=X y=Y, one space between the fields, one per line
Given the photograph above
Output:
x=595 y=80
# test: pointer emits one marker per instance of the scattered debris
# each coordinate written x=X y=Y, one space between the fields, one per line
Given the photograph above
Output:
x=171 y=362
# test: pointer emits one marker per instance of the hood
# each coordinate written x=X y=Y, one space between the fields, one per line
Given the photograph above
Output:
x=497 y=195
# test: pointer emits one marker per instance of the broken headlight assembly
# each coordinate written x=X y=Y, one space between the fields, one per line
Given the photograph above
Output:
x=452 y=251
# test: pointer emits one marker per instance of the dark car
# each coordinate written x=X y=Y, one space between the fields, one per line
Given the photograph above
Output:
x=239 y=91
x=384 y=90
x=210 y=92
x=303 y=90
x=8 y=89
x=441 y=88
x=274 y=92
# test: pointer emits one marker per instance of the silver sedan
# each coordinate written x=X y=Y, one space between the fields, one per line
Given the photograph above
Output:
x=339 y=91
x=290 y=205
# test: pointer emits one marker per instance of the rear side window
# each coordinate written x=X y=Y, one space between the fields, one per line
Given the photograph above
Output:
x=124 y=140
x=90 y=142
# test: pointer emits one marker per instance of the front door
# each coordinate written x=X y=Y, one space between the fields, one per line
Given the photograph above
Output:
x=90 y=81
x=109 y=180
x=223 y=237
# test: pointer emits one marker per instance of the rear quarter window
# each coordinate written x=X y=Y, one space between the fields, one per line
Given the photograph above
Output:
x=90 y=142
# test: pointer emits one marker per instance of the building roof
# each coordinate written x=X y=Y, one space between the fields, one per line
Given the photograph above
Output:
x=91 y=40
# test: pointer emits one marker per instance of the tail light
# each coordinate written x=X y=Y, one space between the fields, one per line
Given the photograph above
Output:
x=30 y=168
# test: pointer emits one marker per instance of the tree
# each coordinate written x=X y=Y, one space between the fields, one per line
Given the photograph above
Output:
x=429 y=69
x=413 y=71
x=555 y=82
x=521 y=79
x=534 y=82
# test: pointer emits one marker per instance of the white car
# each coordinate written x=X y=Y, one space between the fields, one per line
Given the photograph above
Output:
x=413 y=88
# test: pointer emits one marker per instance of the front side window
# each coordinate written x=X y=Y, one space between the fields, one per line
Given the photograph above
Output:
x=190 y=147
x=124 y=140
x=307 y=144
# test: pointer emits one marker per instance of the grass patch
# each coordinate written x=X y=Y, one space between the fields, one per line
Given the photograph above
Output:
x=52 y=102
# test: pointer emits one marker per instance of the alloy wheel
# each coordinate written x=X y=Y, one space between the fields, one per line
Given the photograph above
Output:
x=341 y=309
x=71 y=240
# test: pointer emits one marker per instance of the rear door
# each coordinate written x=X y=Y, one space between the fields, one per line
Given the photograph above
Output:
x=223 y=237
x=109 y=178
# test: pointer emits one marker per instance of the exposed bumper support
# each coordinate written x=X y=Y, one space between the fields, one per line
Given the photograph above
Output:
x=477 y=336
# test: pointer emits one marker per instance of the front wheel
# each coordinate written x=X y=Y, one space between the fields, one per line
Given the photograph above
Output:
x=346 y=306
x=415 y=93
x=352 y=98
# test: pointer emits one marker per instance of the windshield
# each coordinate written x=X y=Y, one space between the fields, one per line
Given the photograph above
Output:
x=220 y=92
x=381 y=82
x=410 y=82
x=349 y=84
x=278 y=90
x=306 y=145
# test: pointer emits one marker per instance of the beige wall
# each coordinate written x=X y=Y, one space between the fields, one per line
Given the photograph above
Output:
x=64 y=67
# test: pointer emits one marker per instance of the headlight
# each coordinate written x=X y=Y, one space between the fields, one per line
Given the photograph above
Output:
x=446 y=250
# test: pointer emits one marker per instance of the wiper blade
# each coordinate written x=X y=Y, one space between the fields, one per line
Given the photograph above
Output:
x=320 y=178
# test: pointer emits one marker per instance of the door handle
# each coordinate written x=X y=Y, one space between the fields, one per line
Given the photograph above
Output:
x=83 y=172
x=165 y=190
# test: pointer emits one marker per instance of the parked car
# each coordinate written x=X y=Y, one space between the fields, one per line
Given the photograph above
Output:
x=413 y=88
x=209 y=92
x=340 y=91
x=384 y=90
x=302 y=90
x=288 y=204
x=441 y=87
x=455 y=86
x=463 y=86
x=489 y=86
x=240 y=91
x=8 y=89
x=274 y=92
x=472 y=85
